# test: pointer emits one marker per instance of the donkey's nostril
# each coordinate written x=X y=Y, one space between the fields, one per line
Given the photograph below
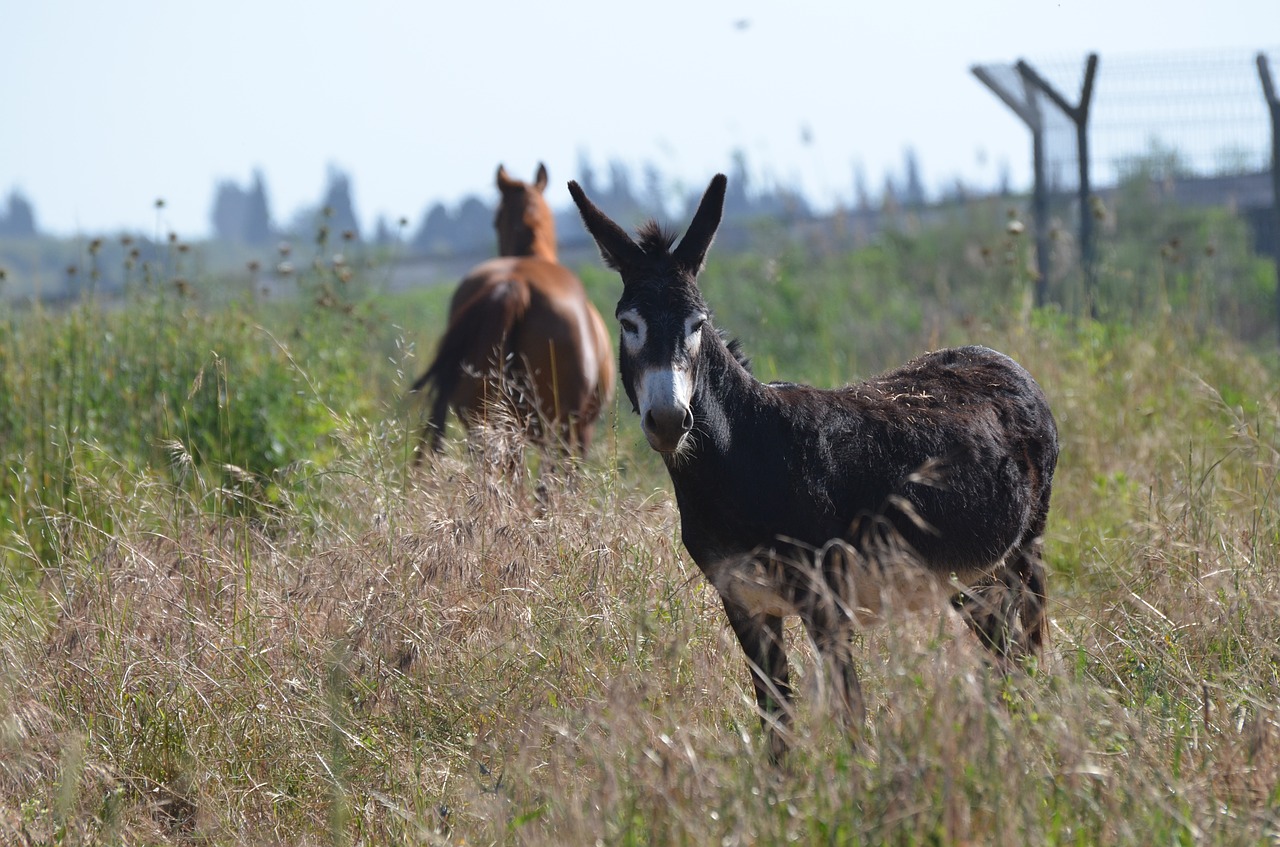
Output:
x=666 y=426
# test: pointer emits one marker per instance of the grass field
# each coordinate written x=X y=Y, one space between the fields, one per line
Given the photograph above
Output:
x=230 y=614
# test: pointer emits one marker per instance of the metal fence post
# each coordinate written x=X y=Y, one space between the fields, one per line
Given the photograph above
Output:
x=1079 y=115
x=1028 y=109
x=1273 y=103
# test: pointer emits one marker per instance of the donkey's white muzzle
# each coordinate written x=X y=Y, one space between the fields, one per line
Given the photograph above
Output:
x=665 y=412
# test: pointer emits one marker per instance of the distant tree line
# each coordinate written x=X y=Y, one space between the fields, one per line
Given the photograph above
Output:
x=241 y=214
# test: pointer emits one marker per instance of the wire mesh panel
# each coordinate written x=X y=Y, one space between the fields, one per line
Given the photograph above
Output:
x=1165 y=134
x=1184 y=114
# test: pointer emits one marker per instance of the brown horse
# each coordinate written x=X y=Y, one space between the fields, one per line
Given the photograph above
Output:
x=521 y=333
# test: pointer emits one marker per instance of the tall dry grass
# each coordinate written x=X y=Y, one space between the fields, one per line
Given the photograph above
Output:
x=475 y=655
x=229 y=614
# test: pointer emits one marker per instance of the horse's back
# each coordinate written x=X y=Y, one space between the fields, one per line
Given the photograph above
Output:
x=560 y=340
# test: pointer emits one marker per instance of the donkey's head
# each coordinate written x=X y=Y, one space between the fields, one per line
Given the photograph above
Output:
x=661 y=312
x=524 y=222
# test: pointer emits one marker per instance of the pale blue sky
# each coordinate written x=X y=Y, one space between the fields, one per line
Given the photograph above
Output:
x=106 y=106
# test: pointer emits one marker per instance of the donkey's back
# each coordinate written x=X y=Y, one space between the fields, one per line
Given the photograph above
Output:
x=957 y=450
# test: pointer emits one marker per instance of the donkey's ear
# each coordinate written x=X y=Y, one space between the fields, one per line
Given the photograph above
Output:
x=541 y=181
x=616 y=247
x=692 y=250
x=504 y=181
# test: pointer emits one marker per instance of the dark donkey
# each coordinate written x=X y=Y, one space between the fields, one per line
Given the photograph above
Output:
x=525 y=319
x=793 y=500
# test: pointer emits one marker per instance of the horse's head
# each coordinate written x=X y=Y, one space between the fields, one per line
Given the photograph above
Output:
x=662 y=313
x=524 y=222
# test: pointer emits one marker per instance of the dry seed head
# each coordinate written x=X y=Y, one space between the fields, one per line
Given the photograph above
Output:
x=159 y=202
x=348 y=235
x=94 y=246
x=284 y=248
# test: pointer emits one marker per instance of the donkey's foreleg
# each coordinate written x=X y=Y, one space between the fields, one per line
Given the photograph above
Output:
x=761 y=640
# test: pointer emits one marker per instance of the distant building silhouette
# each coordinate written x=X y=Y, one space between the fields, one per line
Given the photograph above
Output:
x=18 y=220
x=466 y=231
x=240 y=216
x=338 y=206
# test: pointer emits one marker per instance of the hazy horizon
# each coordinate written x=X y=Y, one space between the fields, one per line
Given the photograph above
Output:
x=114 y=107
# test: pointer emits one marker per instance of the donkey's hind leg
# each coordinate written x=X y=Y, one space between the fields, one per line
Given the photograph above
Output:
x=1007 y=612
x=1033 y=599
x=990 y=608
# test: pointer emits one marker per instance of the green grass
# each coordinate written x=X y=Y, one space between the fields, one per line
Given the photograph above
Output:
x=231 y=614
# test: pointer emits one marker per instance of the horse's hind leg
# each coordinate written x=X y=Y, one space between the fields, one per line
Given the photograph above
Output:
x=432 y=431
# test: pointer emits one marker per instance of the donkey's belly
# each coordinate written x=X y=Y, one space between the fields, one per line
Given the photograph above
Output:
x=868 y=590
x=748 y=582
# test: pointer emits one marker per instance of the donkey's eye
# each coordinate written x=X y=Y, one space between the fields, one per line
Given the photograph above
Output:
x=629 y=326
x=697 y=324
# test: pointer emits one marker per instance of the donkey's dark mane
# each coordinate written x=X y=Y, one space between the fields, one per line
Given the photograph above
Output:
x=736 y=351
x=655 y=239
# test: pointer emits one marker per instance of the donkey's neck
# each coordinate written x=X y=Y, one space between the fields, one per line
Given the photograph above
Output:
x=727 y=406
x=725 y=395
x=748 y=477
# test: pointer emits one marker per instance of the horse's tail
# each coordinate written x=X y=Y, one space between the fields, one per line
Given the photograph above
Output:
x=478 y=337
